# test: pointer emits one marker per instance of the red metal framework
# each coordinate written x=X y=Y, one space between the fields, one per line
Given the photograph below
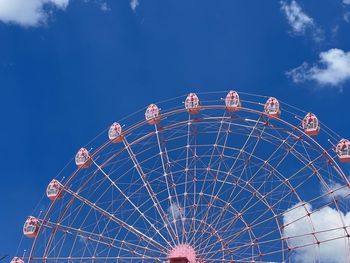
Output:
x=208 y=182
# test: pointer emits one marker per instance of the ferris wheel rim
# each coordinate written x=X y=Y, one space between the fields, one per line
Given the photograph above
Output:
x=166 y=114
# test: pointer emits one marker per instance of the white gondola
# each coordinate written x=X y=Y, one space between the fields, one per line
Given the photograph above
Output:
x=31 y=227
x=343 y=150
x=192 y=104
x=232 y=101
x=17 y=260
x=272 y=108
x=311 y=125
x=54 y=190
x=82 y=158
x=115 y=133
x=152 y=114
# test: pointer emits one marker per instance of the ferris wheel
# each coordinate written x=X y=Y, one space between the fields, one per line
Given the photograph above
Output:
x=244 y=178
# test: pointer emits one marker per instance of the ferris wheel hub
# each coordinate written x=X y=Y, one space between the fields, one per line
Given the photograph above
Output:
x=182 y=254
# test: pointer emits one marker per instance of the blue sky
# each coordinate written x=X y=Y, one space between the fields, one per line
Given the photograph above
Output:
x=68 y=69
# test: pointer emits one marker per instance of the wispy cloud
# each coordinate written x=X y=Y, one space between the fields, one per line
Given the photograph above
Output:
x=332 y=69
x=174 y=212
x=336 y=190
x=347 y=17
x=326 y=223
x=134 y=4
x=299 y=21
x=104 y=7
x=28 y=12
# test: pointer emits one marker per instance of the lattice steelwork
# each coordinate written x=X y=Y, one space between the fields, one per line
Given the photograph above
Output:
x=214 y=185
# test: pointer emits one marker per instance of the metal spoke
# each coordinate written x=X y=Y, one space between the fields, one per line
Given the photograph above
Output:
x=130 y=201
x=150 y=191
x=112 y=217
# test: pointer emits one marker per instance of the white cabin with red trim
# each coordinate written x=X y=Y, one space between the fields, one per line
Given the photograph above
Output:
x=272 y=108
x=54 y=190
x=17 y=260
x=192 y=103
x=82 y=158
x=343 y=150
x=31 y=227
x=115 y=133
x=311 y=125
x=152 y=114
x=232 y=101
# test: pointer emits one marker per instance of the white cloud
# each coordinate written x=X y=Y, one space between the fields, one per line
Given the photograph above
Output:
x=336 y=190
x=104 y=7
x=347 y=16
x=174 y=212
x=134 y=4
x=326 y=224
x=333 y=68
x=28 y=12
x=347 y=2
x=299 y=21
